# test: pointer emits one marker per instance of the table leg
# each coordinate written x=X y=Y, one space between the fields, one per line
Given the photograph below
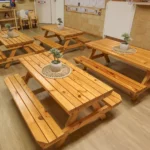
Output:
x=72 y=118
x=96 y=106
x=27 y=77
x=66 y=44
x=46 y=33
x=107 y=58
x=93 y=56
x=59 y=38
x=93 y=53
x=12 y=54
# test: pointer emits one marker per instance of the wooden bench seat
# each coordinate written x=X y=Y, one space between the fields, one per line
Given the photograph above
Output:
x=36 y=48
x=133 y=87
x=41 y=124
x=83 y=39
x=113 y=100
x=48 y=42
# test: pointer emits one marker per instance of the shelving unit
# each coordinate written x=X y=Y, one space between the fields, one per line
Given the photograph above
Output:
x=142 y=3
x=12 y=18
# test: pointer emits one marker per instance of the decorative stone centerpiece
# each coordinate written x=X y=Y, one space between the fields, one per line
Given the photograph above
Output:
x=56 y=64
x=60 y=24
x=126 y=39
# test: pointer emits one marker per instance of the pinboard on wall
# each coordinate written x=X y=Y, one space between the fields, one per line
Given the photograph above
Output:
x=85 y=6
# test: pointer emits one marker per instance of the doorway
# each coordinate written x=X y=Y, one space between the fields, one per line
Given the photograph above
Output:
x=49 y=10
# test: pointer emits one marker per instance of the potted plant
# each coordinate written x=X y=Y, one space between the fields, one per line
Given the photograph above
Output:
x=10 y=31
x=125 y=44
x=60 y=24
x=56 y=64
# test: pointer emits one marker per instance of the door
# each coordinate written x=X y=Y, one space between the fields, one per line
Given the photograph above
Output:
x=49 y=11
x=44 y=11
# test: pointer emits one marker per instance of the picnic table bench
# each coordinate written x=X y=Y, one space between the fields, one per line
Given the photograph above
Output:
x=73 y=94
x=48 y=42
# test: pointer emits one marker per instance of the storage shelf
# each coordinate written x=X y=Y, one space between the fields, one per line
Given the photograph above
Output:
x=8 y=19
x=11 y=19
x=142 y=3
x=6 y=10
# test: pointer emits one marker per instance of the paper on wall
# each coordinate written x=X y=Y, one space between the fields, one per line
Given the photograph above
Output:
x=100 y=4
x=92 y=3
x=86 y=3
x=74 y=2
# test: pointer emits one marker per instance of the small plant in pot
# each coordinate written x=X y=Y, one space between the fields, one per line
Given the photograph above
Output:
x=125 y=44
x=60 y=24
x=56 y=64
x=10 y=32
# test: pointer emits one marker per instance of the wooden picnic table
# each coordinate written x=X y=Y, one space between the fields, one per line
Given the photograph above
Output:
x=14 y=44
x=140 y=59
x=74 y=93
x=21 y=40
x=68 y=34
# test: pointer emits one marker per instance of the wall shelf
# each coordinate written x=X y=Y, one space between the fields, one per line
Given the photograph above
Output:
x=142 y=3
x=7 y=20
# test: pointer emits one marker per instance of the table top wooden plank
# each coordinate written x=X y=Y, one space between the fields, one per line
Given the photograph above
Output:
x=80 y=95
x=72 y=92
x=40 y=64
x=81 y=83
x=21 y=40
x=88 y=94
x=66 y=32
x=82 y=72
x=62 y=101
x=141 y=58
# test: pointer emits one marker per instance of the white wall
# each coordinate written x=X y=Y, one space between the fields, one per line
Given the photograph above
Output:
x=60 y=9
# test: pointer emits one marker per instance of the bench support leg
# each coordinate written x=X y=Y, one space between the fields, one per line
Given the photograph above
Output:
x=72 y=118
x=146 y=78
x=61 y=142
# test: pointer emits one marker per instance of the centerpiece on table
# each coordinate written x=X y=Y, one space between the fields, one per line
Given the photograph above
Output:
x=124 y=47
x=126 y=39
x=56 y=64
x=60 y=24
x=56 y=69
x=10 y=31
